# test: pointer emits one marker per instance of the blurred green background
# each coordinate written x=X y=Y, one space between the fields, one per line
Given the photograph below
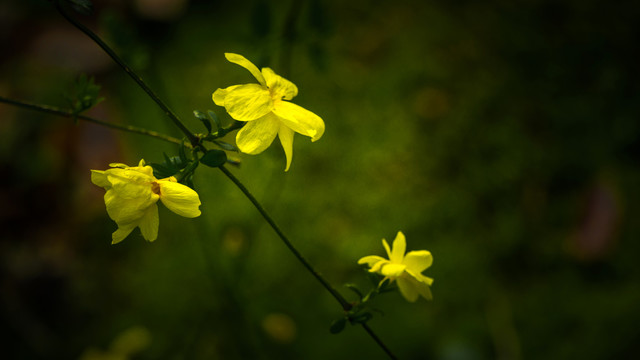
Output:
x=501 y=136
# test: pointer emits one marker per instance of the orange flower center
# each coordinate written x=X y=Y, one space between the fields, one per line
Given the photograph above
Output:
x=155 y=187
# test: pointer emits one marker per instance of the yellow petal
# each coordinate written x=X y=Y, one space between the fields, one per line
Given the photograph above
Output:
x=280 y=87
x=242 y=61
x=127 y=210
x=256 y=136
x=179 y=198
x=398 y=248
x=286 y=139
x=219 y=95
x=370 y=260
x=420 y=278
x=122 y=232
x=99 y=178
x=386 y=247
x=300 y=119
x=248 y=102
x=408 y=289
x=424 y=290
x=149 y=223
x=377 y=266
x=129 y=183
x=418 y=261
x=392 y=270
x=118 y=165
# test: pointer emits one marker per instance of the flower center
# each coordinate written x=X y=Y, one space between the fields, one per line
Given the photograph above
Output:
x=155 y=187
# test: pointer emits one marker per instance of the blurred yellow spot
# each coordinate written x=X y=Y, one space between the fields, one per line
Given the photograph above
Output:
x=280 y=327
x=234 y=240
x=124 y=347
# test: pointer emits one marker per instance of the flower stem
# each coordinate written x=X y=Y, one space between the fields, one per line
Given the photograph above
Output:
x=378 y=341
x=343 y=302
x=195 y=142
x=193 y=139
x=346 y=306
x=69 y=114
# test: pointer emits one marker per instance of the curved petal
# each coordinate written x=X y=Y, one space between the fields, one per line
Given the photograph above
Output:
x=386 y=248
x=420 y=278
x=127 y=210
x=300 y=119
x=242 y=61
x=129 y=184
x=286 y=139
x=280 y=87
x=408 y=289
x=377 y=266
x=418 y=261
x=219 y=95
x=149 y=223
x=122 y=232
x=370 y=260
x=99 y=178
x=248 y=102
x=256 y=136
x=398 y=248
x=392 y=270
x=118 y=165
x=179 y=198
x=424 y=290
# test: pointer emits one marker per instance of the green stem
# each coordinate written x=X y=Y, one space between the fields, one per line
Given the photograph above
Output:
x=378 y=341
x=69 y=114
x=194 y=140
x=346 y=306
x=343 y=302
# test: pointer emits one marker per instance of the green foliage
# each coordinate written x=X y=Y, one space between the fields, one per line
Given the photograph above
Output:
x=214 y=158
x=83 y=94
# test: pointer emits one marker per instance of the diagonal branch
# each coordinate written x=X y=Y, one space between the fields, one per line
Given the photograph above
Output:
x=69 y=114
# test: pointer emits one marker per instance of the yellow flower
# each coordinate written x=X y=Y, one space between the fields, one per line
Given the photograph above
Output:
x=132 y=193
x=406 y=269
x=267 y=113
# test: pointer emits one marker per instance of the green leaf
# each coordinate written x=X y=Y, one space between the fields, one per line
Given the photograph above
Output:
x=337 y=326
x=161 y=171
x=83 y=94
x=84 y=7
x=181 y=153
x=361 y=318
x=355 y=289
x=226 y=145
x=205 y=120
x=214 y=117
x=214 y=158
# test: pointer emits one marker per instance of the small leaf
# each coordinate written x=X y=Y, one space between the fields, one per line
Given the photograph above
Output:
x=84 y=7
x=226 y=145
x=161 y=171
x=355 y=289
x=214 y=158
x=181 y=153
x=205 y=120
x=361 y=318
x=167 y=161
x=337 y=326
x=214 y=117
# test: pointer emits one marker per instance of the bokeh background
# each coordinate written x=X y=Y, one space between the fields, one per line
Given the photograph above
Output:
x=500 y=135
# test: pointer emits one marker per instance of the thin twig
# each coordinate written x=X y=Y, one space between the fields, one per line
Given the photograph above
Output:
x=69 y=114
x=194 y=140
x=377 y=340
